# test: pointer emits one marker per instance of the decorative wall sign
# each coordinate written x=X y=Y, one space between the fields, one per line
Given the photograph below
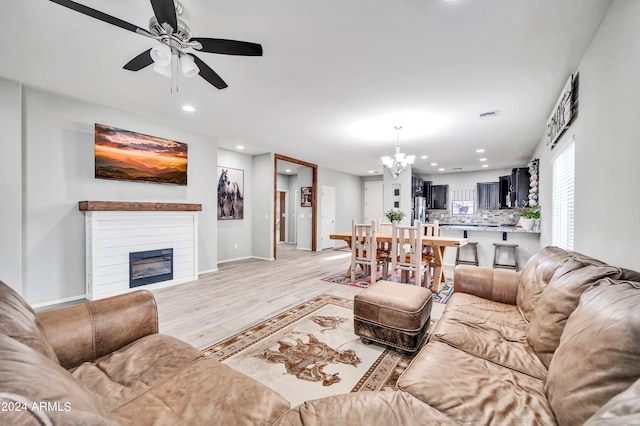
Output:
x=305 y=196
x=563 y=112
x=126 y=155
x=230 y=193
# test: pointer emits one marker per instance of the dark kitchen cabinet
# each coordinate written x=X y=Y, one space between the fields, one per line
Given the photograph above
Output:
x=520 y=179
x=426 y=192
x=488 y=195
x=439 y=196
x=504 y=189
x=514 y=188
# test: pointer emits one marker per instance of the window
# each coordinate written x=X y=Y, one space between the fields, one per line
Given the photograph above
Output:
x=563 y=184
x=462 y=202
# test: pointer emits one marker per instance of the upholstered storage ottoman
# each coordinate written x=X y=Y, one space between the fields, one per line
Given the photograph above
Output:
x=393 y=314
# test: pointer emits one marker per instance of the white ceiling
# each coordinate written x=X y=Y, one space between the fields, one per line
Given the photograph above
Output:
x=336 y=75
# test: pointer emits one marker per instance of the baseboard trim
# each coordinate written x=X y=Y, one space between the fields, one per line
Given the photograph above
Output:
x=58 y=301
x=233 y=260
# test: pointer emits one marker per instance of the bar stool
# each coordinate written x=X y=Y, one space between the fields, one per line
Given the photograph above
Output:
x=513 y=247
x=459 y=261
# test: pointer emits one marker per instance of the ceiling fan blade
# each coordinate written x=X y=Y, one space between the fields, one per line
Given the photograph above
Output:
x=101 y=16
x=228 y=47
x=141 y=61
x=165 y=12
x=208 y=74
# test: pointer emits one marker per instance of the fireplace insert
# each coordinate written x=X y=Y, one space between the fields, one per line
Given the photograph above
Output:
x=152 y=266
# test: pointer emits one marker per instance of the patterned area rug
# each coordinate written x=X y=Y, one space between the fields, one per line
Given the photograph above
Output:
x=442 y=296
x=311 y=351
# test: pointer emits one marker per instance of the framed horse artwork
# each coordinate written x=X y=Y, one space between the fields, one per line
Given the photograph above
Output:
x=230 y=193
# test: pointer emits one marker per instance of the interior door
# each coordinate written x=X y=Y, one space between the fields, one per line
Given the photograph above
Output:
x=373 y=201
x=328 y=213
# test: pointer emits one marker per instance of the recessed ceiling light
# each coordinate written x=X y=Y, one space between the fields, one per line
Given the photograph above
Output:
x=424 y=157
x=288 y=171
x=434 y=164
x=480 y=150
x=239 y=147
x=188 y=108
x=441 y=169
x=371 y=171
x=485 y=165
x=483 y=159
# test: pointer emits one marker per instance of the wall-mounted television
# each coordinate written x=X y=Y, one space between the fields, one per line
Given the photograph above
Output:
x=126 y=155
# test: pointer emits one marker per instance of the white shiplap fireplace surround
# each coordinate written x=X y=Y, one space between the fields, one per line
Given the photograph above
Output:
x=114 y=229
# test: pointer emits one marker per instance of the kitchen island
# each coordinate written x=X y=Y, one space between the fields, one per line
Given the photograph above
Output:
x=487 y=234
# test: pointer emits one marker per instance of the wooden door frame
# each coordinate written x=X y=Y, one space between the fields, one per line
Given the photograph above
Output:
x=314 y=197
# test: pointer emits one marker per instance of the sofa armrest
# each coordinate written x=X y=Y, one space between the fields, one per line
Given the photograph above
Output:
x=498 y=285
x=90 y=330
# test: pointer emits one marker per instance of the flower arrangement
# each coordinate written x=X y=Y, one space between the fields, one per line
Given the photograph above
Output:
x=394 y=214
x=529 y=212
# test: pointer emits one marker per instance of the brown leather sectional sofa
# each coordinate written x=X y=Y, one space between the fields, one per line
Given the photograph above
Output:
x=104 y=363
x=558 y=343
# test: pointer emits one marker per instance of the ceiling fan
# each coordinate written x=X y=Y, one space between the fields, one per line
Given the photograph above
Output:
x=174 y=38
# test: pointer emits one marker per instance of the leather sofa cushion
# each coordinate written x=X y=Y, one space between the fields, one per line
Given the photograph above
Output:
x=490 y=330
x=471 y=390
x=31 y=378
x=364 y=408
x=132 y=370
x=621 y=410
x=599 y=352
x=558 y=300
x=548 y=264
x=205 y=393
x=18 y=320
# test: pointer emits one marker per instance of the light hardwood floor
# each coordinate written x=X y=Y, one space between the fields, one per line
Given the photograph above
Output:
x=246 y=292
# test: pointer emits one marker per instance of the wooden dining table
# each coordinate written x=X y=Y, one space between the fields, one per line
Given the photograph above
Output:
x=439 y=245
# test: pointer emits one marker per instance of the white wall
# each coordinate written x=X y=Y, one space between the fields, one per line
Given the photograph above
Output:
x=11 y=184
x=235 y=239
x=607 y=193
x=404 y=183
x=349 y=198
x=262 y=216
x=58 y=171
x=304 y=214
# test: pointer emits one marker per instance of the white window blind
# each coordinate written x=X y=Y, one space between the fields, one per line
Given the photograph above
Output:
x=563 y=184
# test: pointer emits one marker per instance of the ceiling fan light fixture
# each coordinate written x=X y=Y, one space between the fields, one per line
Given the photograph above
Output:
x=164 y=70
x=188 y=66
x=161 y=54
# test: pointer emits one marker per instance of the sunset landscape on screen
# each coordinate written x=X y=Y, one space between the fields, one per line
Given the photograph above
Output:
x=125 y=155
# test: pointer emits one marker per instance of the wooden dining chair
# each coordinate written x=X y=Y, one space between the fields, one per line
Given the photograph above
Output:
x=407 y=255
x=430 y=230
x=364 y=251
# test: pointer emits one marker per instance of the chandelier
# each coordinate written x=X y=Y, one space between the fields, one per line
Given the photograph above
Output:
x=399 y=162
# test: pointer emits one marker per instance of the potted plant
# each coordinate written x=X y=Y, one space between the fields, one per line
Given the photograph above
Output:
x=529 y=214
x=394 y=214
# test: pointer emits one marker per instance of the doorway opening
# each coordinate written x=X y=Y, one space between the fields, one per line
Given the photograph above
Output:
x=304 y=204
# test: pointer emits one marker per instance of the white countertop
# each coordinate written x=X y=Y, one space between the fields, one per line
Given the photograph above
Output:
x=487 y=228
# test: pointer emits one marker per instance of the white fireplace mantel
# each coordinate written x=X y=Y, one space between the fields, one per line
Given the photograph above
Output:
x=115 y=229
